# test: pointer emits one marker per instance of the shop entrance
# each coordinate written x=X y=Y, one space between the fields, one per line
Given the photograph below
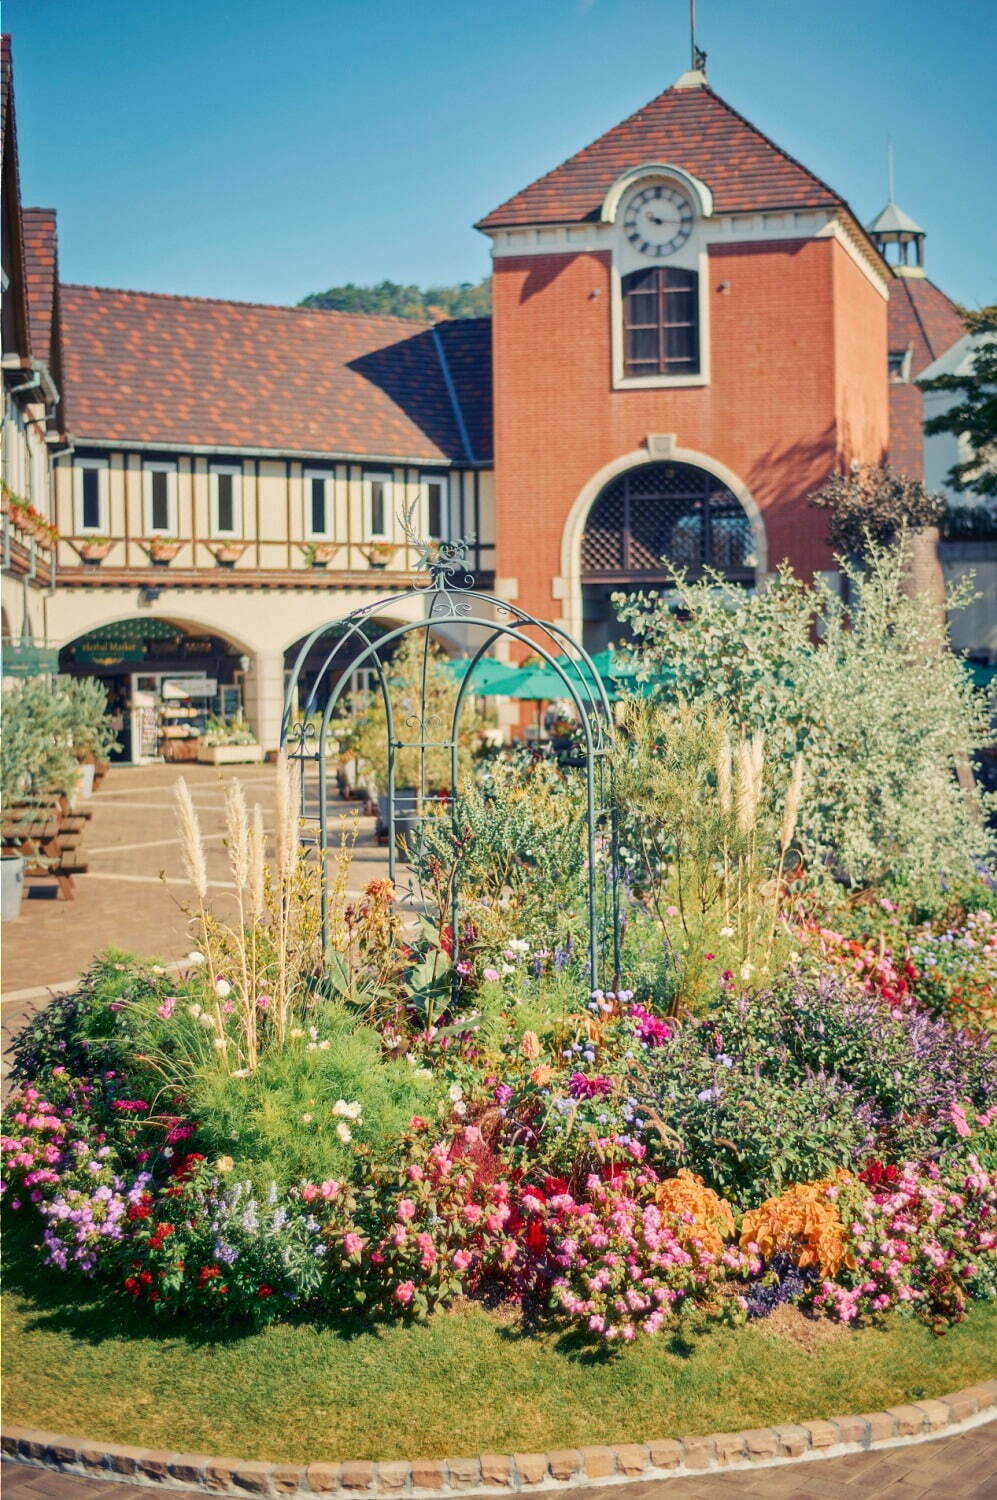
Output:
x=165 y=684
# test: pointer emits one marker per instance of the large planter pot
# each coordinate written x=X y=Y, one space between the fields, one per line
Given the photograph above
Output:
x=11 y=886
x=229 y=755
x=406 y=822
x=85 y=773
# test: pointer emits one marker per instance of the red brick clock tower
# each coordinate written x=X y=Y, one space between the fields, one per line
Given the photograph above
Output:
x=689 y=334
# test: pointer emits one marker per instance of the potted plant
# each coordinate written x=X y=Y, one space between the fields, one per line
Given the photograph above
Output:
x=93 y=549
x=319 y=554
x=11 y=885
x=227 y=554
x=228 y=744
x=379 y=554
x=162 y=550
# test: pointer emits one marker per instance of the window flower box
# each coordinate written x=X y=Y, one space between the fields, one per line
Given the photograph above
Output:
x=227 y=554
x=379 y=554
x=162 y=550
x=319 y=554
x=93 y=549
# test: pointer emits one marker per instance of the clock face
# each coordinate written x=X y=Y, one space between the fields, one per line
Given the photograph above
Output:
x=658 y=219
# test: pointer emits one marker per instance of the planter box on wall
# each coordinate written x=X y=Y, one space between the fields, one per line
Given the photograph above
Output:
x=229 y=755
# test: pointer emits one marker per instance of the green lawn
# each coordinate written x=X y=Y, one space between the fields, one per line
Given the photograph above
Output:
x=469 y=1382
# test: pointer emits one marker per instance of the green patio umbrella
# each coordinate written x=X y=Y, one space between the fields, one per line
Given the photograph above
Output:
x=488 y=676
x=537 y=684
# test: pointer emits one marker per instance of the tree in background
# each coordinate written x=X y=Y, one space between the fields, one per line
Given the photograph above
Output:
x=973 y=417
x=390 y=298
x=872 y=505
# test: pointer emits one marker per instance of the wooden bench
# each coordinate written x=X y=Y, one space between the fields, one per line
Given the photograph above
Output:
x=46 y=835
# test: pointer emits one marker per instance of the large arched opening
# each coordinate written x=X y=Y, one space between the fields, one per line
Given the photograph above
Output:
x=167 y=681
x=651 y=521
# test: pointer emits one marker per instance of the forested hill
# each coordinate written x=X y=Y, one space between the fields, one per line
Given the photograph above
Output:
x=468 y=300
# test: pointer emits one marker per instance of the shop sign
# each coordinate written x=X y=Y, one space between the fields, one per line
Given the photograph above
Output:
x=189 y=687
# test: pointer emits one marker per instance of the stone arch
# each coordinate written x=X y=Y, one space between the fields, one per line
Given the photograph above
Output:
x=570 y=581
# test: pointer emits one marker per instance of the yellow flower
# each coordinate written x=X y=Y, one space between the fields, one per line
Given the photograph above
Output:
x=224 y=1164
x=530 y=1046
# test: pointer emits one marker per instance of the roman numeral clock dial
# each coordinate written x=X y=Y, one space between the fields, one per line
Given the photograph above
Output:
x=658 y=220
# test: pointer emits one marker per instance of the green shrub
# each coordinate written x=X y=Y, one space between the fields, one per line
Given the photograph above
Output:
x=881 y=716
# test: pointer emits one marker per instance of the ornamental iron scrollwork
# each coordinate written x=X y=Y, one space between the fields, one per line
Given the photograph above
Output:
x=361 y=641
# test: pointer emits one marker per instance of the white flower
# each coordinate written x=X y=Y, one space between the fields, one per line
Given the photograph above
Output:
x=207 y=1020
x=747 y=970
x=351 y=1111
x=324 y=1046
x=456 y=1092
x=222 y=989
x=726 y=932
x=240 y=1073
x=295 y=1032
x=307 y=1119
x=423 y=1073
x=158 y=969
x=410 y=1059
x=220 y=1043
x=344 y=1132
x=194 y=1010
x=460 y=1109
x=508 y=969
x=194 y=958
x=518 y=945
x=313 y=1033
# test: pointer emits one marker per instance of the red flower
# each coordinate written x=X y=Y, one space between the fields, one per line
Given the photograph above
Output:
x=535 y=1238
x=145 y=1277
x=265 y=1291
x=185 y=1166
x=553 y=1186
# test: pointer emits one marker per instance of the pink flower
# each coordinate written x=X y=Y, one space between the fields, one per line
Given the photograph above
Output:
x=352 y=1244
x=958 y=1117
x=471 y=1212
x=169 y=1005
x=491 y=974
x=462 y=1259
x=405 y=1291
x=309 y=1192
x=329 y=1189
x=415 y=1172
x=406 y=1210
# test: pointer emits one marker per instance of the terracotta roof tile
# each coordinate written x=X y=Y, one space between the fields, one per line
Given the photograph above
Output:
x=923 y=319
x=41 y=277
x=143 y=367
x=694 y=129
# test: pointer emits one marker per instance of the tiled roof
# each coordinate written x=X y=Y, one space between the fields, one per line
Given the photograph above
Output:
x=143 y=367
x=691 y=128
x=923 y=319
x=467 y=348
x=41 y=277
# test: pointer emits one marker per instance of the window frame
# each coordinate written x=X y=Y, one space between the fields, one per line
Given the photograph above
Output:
x=443 y=483
x=699 y=263
x=101 y=467
x=658 y=289
x=328 y=478
x=159 y=466
x=369 y=480
x=215 y=531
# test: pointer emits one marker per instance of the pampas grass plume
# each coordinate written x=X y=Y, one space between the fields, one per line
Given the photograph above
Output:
x=191 y=843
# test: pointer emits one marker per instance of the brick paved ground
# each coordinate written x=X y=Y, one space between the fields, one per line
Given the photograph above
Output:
x=129 y=842
x=955 y=1468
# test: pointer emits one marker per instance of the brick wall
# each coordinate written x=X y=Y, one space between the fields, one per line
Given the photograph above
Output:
x=777 y=411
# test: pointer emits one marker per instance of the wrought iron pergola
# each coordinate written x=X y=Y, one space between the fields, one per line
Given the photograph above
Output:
x=449 y=598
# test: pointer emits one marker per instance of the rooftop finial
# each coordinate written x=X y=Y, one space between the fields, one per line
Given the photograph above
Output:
x=695 y=77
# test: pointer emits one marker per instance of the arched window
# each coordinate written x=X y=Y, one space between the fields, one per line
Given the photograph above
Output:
x=666 y=510
x=661 y=322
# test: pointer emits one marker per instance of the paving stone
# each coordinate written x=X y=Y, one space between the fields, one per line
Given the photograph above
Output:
x=356 y=1475
x=219 y=1472
x=155 y=1464
x=760 y=1442
x=631 y=1458
x=531 y=1467
x=497 y=1469
x=666 y=1453
x=428 y=1474
x=124 y=1459
x=909 y=1419
x=252 y=1476
x=564 y=1463
x=288 y=1479
x=392 y=1477
x=598 y=1463
x=188 y=1468
x=697 y=1453
x=323 y=1478
x=792 y=1440
x=464 y=1473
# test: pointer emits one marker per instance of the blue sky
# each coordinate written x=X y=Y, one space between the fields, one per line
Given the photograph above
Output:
x=256 y=151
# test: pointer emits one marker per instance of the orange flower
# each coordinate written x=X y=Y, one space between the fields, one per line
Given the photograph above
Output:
x=699 y=1212
x=804 y=1224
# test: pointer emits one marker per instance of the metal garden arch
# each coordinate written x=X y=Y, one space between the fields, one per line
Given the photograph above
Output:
x=449 y=597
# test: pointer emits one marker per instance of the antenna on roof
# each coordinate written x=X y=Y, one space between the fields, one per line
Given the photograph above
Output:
x=698 y=63
x=889 y=170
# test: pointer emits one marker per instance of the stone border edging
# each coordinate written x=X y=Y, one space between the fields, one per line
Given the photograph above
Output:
x=561 y=1469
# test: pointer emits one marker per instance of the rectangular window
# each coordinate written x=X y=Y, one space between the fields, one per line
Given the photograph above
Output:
x=661 y=322
x=318 y=504
x=160 y=499
x=378 y=488
x=226 y=500
x=436 y=508
x=91 y=506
